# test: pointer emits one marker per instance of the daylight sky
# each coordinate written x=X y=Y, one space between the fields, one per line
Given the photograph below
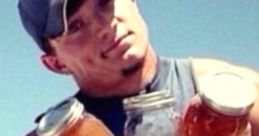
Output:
x=222 y=29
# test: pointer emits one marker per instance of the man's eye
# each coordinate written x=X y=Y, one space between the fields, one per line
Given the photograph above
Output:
x=74 y=26
x=103 y=3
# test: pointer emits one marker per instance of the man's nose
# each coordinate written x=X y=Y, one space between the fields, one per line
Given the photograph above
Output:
x=120 y=10
x=109 y=21
x=107 y=30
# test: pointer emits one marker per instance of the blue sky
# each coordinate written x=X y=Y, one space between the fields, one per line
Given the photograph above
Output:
x=224 y=29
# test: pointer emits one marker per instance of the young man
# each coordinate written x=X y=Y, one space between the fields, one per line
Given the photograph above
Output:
x=104 y=45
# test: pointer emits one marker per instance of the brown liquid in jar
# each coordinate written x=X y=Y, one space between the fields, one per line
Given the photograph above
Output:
x=220 y=107
x=32 y=133
x=69 y=118
x=201 y=120
x=86 y=126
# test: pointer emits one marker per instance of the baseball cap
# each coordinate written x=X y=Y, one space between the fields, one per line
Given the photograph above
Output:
x=43 y=19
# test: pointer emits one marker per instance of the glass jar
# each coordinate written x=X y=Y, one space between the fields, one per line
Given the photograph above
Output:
x=32 y=133
x=70 y=119
x=220 y=108
x=150 y=114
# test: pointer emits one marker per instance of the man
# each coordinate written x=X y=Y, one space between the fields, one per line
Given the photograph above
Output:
x=104 y=45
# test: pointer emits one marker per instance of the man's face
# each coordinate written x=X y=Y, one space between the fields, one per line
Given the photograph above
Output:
x=105 y=44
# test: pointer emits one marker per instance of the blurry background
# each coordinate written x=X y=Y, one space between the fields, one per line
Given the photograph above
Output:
x=224 y=29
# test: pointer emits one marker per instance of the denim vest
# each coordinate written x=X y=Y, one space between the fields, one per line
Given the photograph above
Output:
x=175 y=75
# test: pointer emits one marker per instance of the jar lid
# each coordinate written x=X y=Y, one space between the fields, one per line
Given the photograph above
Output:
x=56 y=118
x=148 y=102
x=227 y=93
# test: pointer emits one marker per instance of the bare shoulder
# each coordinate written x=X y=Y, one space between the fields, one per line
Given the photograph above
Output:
x=202 y=66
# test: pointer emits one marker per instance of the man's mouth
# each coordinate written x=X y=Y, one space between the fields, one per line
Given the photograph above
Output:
x=118 y=43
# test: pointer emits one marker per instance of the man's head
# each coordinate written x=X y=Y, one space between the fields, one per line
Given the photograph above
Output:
x=102 y=43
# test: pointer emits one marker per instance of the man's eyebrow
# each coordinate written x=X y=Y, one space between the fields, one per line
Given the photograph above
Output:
x=73 y=6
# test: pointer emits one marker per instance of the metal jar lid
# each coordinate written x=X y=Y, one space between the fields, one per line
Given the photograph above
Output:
x=227 y=93
x=56 y=118
x=148 y=102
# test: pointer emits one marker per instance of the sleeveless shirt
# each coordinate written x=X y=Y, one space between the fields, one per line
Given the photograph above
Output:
x=175 y=75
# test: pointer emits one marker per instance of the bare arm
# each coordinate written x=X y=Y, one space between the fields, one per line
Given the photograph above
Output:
x=203 y=66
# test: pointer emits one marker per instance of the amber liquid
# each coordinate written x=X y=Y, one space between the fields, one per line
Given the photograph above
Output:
x=87 y=127
x=32 y=133
x=200 y=120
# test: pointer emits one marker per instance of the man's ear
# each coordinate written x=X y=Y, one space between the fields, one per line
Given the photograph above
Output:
x=53 y=64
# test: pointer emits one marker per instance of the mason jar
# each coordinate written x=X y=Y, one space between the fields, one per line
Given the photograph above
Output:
x=32 y=133
x=150 y=114
x=70 y=119
x=220 y=108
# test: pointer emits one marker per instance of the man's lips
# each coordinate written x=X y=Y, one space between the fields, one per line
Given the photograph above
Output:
x=116 y=43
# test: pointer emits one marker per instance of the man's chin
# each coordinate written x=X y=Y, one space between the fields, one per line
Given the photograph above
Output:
x=133 y=69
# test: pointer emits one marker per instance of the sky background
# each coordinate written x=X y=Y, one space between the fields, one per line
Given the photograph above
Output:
x=223 y=29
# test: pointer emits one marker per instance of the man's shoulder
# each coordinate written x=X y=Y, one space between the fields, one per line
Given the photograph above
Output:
x=202 y=66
